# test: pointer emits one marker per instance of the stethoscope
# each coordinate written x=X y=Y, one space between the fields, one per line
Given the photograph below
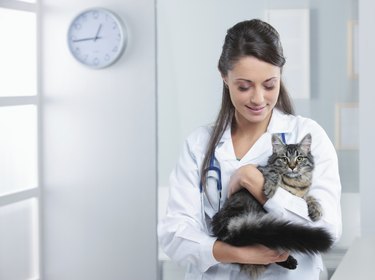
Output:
x=214 y=173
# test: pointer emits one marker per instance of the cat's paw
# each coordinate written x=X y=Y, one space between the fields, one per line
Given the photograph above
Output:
x=270 y=185
x=314 y=208
x=290 y=263
x=269 y=190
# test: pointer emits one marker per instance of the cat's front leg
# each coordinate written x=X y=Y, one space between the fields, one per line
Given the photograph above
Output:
x=271 y=182
x=314 y=208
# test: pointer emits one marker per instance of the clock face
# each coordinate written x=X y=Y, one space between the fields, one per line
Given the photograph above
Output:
x=96 y=38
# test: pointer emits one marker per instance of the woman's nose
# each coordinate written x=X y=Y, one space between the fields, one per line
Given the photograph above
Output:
x=258 y=96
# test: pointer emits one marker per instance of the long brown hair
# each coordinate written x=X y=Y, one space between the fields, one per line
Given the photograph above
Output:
x=248 y=38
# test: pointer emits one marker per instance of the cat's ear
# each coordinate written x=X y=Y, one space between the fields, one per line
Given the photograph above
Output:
x=305 y=143
x=277 y=144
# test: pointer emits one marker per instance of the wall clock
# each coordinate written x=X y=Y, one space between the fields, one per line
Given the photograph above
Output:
x=97 y=38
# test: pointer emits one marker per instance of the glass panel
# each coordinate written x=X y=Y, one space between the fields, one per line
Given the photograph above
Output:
x=18 y=240
x=17 y=53
x=18 y=148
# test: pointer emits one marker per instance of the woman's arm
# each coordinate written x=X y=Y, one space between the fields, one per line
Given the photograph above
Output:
x=257 y=254
x=250 y=178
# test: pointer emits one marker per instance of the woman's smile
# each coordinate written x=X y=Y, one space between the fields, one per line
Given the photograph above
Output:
x=256 y=109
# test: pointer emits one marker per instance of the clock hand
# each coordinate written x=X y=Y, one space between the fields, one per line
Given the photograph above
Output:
x=97 y=33
x=86 y=39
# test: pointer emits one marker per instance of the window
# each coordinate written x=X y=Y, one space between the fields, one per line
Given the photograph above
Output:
x=19 y=141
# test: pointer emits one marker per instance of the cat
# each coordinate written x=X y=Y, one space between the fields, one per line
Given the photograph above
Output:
x=242 y=221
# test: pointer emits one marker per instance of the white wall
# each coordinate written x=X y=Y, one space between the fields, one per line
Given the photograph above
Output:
x=99 y=151
x=366 y=115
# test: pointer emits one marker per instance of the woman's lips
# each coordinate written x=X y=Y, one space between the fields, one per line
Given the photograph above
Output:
x=257 y=109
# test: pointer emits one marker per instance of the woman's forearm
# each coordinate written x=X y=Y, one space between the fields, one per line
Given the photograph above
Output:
x=254 y=183
x=257 y=254
x=225 y=253
x=252 y=179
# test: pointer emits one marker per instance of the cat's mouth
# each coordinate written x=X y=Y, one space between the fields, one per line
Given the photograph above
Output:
x=291 y=175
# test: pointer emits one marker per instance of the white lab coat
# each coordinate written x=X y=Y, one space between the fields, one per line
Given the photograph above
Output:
x=182 y=233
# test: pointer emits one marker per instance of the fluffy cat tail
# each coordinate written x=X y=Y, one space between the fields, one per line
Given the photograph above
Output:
x=277 y=234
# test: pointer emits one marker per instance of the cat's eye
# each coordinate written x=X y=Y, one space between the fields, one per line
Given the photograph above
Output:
x=299 y=158
x=285 y=159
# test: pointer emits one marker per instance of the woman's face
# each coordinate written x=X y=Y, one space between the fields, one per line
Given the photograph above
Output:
x=254 y=87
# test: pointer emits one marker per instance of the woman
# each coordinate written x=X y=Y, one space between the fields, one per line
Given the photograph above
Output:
x=255 y=105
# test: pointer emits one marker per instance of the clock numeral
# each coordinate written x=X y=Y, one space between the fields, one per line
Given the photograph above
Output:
x=107 y=57
x=115 y=49
x=95 y=14
x=77 y=26
x=77 y=51
x=95 y=61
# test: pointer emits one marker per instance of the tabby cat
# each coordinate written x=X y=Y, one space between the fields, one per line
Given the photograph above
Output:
x=243 y=221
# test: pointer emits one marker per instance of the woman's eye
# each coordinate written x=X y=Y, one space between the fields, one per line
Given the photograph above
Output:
x=269 y=87
x=243 y=88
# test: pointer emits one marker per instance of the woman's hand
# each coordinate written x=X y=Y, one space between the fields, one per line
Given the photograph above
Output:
x=250 y=178
x=259 y=254
x=256 y=254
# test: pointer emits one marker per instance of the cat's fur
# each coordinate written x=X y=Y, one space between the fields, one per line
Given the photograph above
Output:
x=242 y=221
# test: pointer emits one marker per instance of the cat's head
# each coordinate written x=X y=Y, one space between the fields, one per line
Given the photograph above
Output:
x=292 y=159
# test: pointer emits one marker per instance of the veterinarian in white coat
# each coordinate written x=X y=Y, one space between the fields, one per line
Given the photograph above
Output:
x=255 y=106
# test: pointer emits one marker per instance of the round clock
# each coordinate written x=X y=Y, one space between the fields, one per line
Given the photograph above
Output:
x=96 y=37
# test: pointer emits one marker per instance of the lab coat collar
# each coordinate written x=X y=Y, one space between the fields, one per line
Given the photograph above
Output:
x=279 y=123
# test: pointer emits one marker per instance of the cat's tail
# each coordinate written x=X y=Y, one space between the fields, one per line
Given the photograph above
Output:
x=277 y=234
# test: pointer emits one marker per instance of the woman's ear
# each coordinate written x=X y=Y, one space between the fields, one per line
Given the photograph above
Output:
x=225 y=81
